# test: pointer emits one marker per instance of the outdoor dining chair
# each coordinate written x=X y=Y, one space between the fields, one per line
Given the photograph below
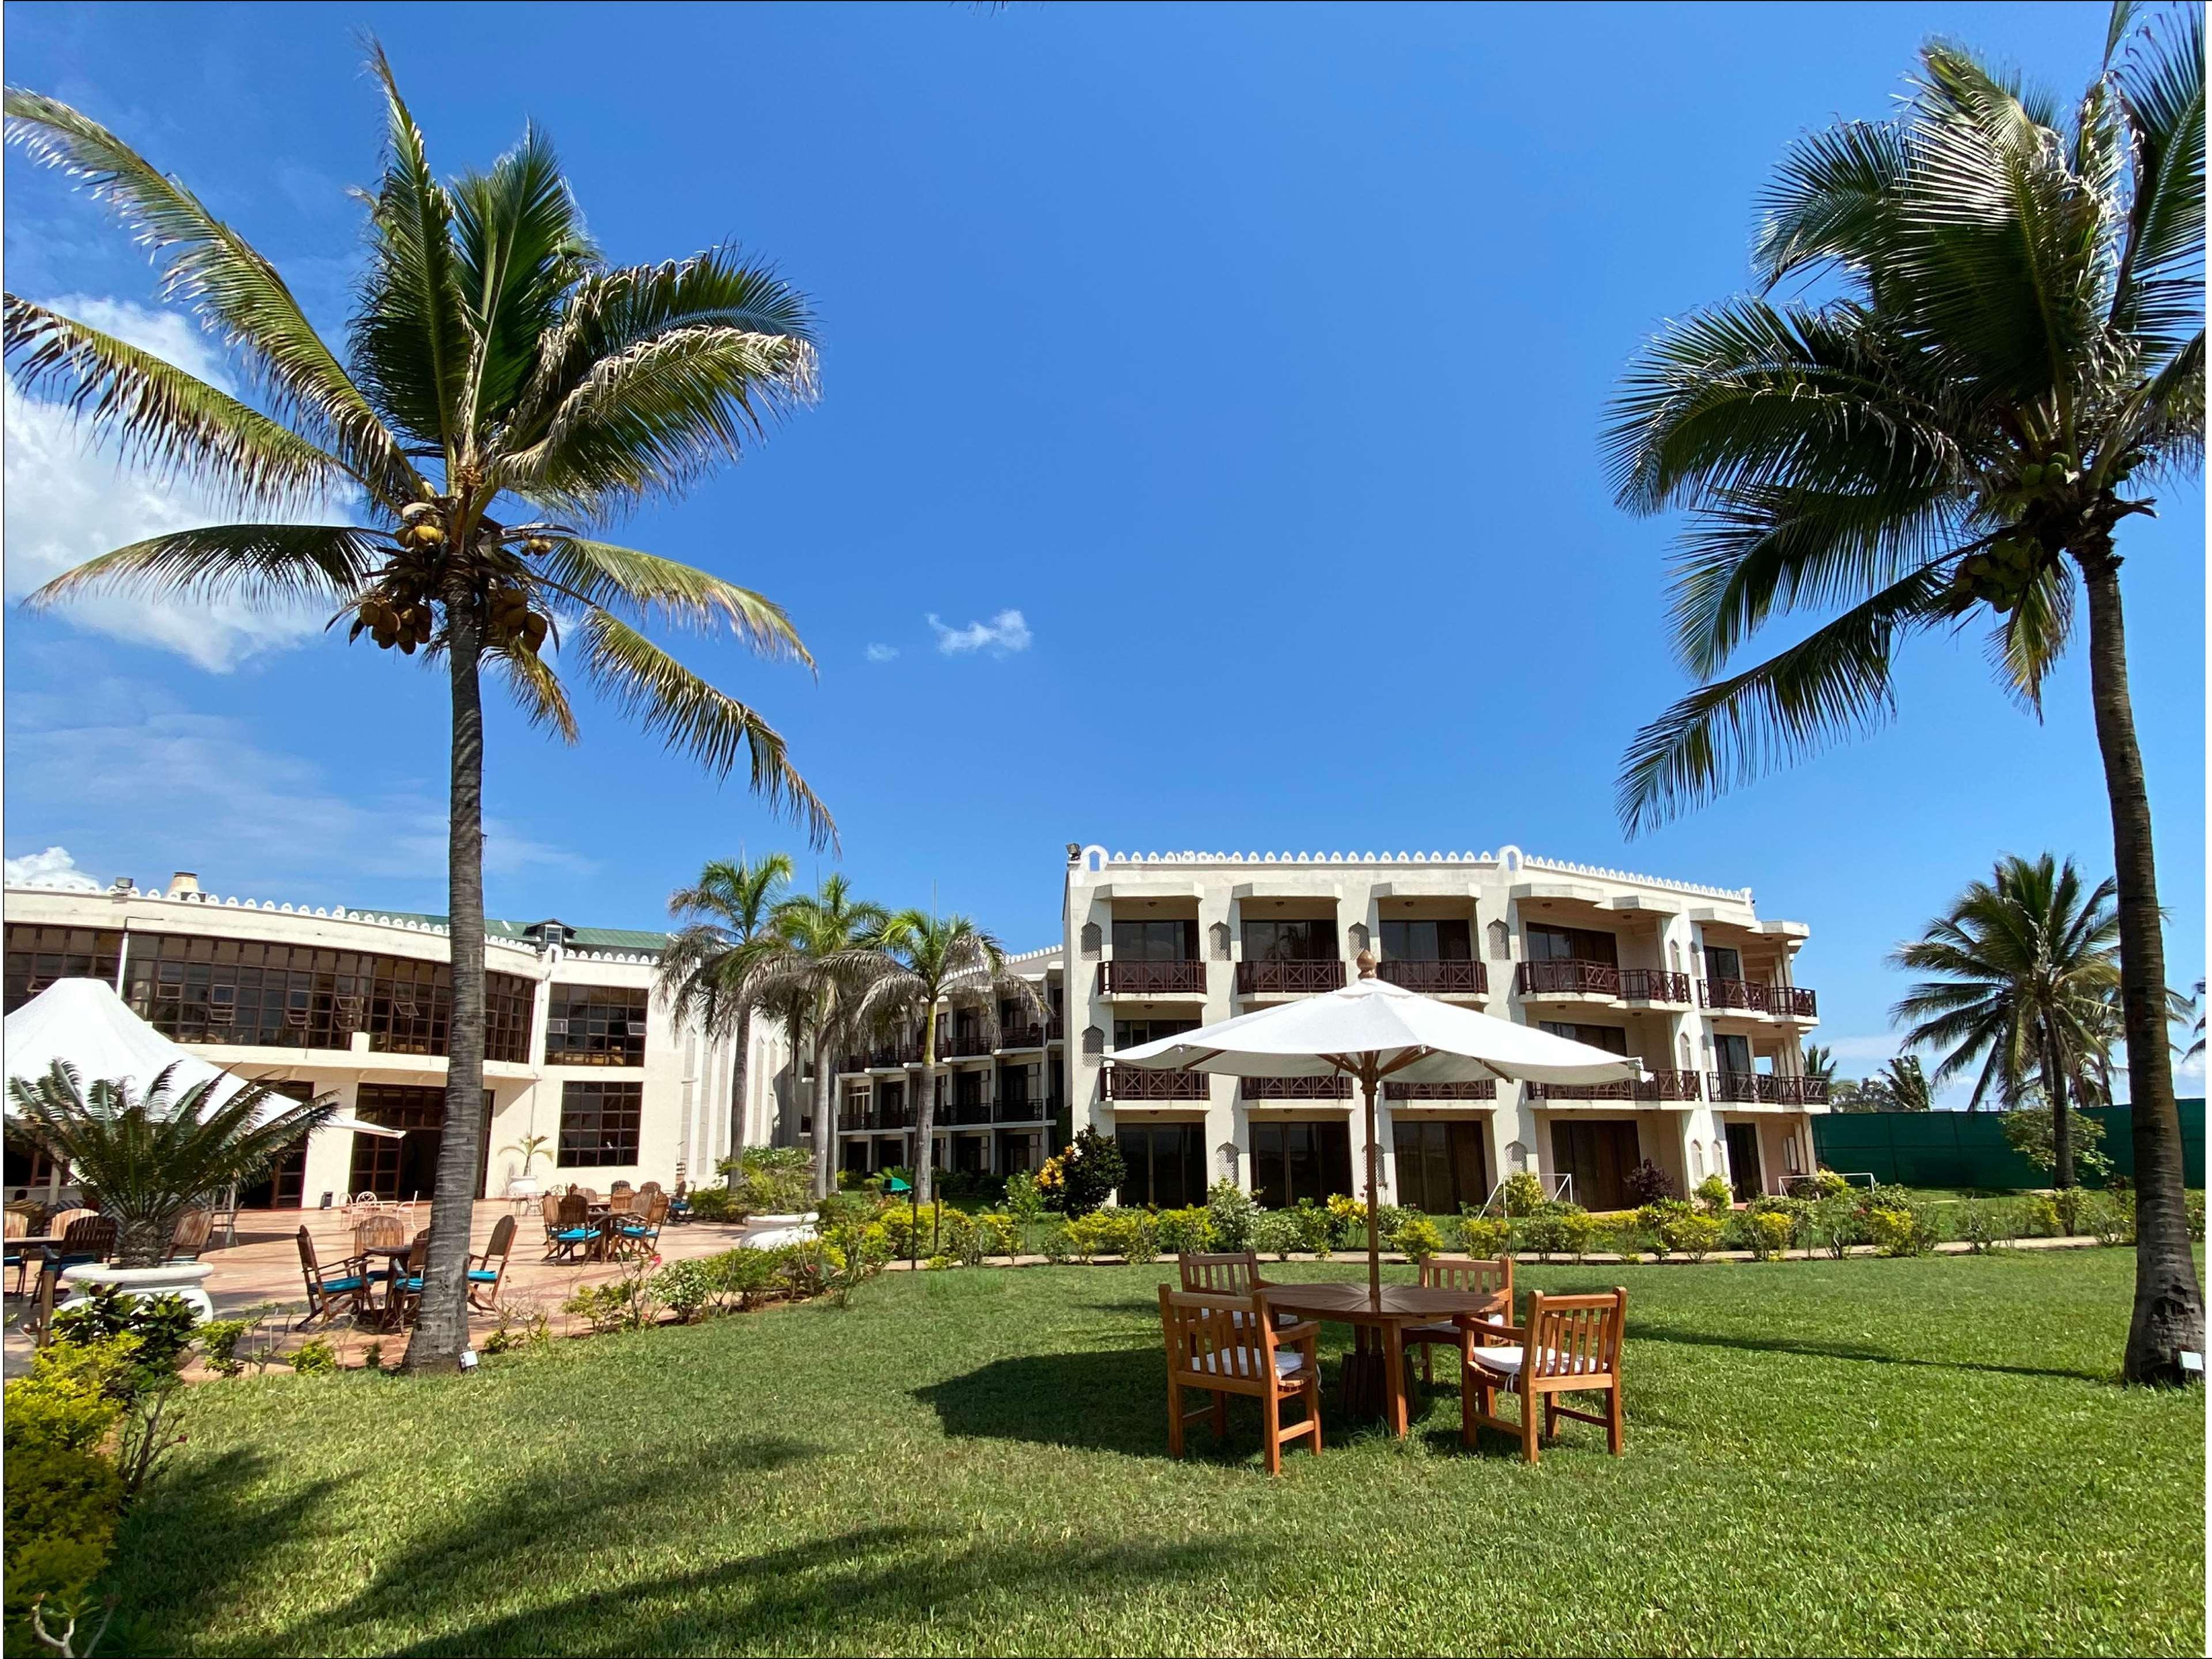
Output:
x=571 y=1230
x=1570 y=1345
x=405 y=1293
x=640 y=1234
x=619 y=1201
x=1211 y=1349
x=193 y=1229
x=18 y=1224
x=1227 y=1274
x=380 y=1233
x=486 y=1271
x=1477 y=1276
x=342 y=1287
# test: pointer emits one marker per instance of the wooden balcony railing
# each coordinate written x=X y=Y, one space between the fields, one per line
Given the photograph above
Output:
x=895 y=1054
x=1020 y=1108
x=968 y=1112
x=1288 y=978
x=963 y=1042
x=1766 y=1089
x=1413 y=1093
x=1659 y=1085
x=1135 y=1083
x=1297 y=1088
x=1573 y=978
x=1436 y=978
x=1653 y=985
x=1151 y=978
x=1792 y=1001
x=1034 y=1035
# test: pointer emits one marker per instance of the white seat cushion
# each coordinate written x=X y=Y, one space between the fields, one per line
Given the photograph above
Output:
x=1507 y=1360
x=1243 y=1362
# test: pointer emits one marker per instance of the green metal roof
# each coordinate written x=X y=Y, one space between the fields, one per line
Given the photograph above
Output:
x=639 y=939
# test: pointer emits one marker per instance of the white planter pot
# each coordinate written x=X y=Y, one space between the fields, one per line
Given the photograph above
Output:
x=182 y=1279
x=525 y=1186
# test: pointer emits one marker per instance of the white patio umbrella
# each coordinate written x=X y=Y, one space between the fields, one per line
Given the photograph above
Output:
x=1371 y=1030
x=84 y=1021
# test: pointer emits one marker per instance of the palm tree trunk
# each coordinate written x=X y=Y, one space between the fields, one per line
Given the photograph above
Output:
x=441 y=1325
x=2169 y=1307
x=2062 y=1130
x=737 y=1101
x=826 y=1118
x=925 y=1114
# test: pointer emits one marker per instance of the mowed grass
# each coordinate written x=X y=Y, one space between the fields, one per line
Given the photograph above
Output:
x=1855 y=1456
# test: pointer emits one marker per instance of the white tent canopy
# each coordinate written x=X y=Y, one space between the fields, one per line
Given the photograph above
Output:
x=84 y=1021
x=1371 y=1030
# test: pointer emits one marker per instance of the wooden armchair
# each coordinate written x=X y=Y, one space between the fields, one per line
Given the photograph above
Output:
x=571 y=1228
x=193 y=1229
x=406 y=1293
x=486 y=1272
x=379 y=1232
x=1475 y=1275
x=1570 y=1345
x=340 y=1288
x=638 y=1233
x=1224 y=1345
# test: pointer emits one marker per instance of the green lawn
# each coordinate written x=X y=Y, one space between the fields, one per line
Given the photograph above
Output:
x=1855 y=1456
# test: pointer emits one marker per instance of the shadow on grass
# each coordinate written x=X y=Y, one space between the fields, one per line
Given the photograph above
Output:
x=1641 y=1331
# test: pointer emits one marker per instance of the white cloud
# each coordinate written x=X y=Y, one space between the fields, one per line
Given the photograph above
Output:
x=53 y=868
x=882 y=653
x=67 y=499
x=1005 y=633
x=1882 y=1048
x=272 y=817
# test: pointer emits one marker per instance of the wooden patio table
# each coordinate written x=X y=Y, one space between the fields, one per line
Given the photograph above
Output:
x=1379 y=1318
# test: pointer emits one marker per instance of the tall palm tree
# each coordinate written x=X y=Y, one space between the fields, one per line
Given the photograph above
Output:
x=1818 y=1061
x=827 y=947
x=711 y=970
x=151 y=1155
x=929 y=961
x=503 y=390
x=1904 y=1085
x=2011 y=355
x=2026 y=960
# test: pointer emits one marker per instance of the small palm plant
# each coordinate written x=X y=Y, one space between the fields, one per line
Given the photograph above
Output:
x=150 y=1158
x=529 y=1147
x=505 y=391
x=927 y=961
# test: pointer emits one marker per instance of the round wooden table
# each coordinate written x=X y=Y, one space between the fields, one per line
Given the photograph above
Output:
x=1379 y=1320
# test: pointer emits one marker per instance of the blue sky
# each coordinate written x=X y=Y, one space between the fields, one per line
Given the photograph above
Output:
x=1222 y=382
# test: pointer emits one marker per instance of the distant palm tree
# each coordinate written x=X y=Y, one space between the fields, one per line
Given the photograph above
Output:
x=2196 y=1031
x=2017 y=351
x=1904 y=1085
x=2026 y=961
x=504 y=385
x=1818 y=1062
x=712 y=969
x=149 y=1158
x=930 y=960
x=827 y=948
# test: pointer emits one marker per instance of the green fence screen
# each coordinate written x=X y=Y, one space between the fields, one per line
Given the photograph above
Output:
x=1968 y=1149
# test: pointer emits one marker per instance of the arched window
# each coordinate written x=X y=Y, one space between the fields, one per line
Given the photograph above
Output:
x=1501 y=942
x=1697 y=1160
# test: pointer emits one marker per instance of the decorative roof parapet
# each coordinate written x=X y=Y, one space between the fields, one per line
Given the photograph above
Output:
x=1567 y=867
x=1564 y=866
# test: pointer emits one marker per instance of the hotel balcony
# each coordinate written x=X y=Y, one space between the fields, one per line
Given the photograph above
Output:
x=1151 y=978
x=1034 y=1035
x=1766 y=1089
x=1135 y=1083
x=1653 y=985
x=1297 y=1087
x=893 y=1055
x=1745 y=996
x=1597 y=980
x=1438 y=1094
x=1657 y=1086
x=1437 y=979
x=1020 y=1108
x=962 y=1043
x=958 y=1112
x=1279 y=979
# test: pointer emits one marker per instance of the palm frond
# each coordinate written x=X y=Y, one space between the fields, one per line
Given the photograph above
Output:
x=1833 y=683
x=535 y=689
x=211 y=267
x=160 y=417
x=622 y=578
x=277 y=565
x=688 y=715
x=2159 y=290
x=1830 y=199
x=2028 y=643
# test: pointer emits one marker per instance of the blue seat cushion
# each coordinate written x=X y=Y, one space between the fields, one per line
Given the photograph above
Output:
x=575 y=1235
x=484 y=1275
x=346 y=1283
x=412 y=1286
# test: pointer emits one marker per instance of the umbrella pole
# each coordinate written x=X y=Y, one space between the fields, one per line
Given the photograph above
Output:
x=1367 y=1071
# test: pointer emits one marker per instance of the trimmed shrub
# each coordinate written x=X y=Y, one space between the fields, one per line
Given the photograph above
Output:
x=1900 y=1230
x=1184 y=1232
x=686 y=1289
x=1000 y=1233
x=1320 y=1231
x=1229 y=1211
x=2109 y=1217
x=1543 y=1230
x=1056 y=1244
x=1690 y=1233
x=1274 y=1233
x=315 y=1358
x=1482 y=1236
x=1714 y=1195
x=1767 y=1234
x=1521 y=1193
x=1417 y=1236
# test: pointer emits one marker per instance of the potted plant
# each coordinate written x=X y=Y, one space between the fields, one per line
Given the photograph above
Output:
x=525 y=1185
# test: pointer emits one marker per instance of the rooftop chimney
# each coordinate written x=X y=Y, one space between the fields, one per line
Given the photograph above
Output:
x=184 y=882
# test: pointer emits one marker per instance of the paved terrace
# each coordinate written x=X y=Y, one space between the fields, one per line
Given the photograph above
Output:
x=263 y=1268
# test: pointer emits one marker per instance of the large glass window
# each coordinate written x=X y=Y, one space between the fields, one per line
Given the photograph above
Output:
x=1549 y=944
x=1166 y=1165
x=298 y=996
x=598 y=1123
x=1292 y=1161
x=595 y=1025
x=1614 y=1039
x=1440 y=1166
x=37 y=956
x=1128 y=1033
x=1299 y=939
x=1724 y=962
x=407 y=1168
x=1448 y=939
x=1155 y=940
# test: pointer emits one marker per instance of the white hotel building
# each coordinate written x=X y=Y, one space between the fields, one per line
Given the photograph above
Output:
x=1687 y=979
